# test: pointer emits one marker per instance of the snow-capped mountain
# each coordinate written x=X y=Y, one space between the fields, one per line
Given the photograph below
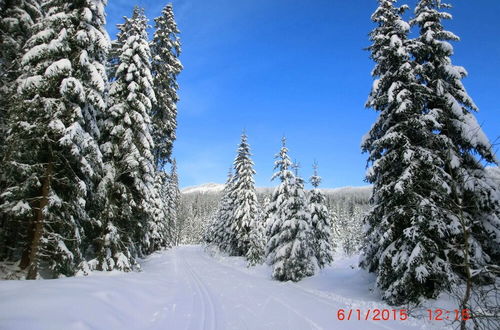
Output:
x=206 y=188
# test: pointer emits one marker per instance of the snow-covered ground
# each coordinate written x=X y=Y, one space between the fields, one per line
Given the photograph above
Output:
x=187 y=288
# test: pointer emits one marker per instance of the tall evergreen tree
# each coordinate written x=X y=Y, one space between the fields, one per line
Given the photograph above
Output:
x=407 y=229
x=321 y=223
x=432 y=198
x=222 y=235
x=56 y=160
x=127 y=145
x=461 y=142
x=16 y=26
x=289 y=249
x=17 y=18
x=166 y=49
x=246 y=207
x=279 y=196
x=92 y=41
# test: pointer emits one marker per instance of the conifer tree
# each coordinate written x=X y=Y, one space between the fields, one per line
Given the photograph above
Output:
x=92 y=41
x=407 y=229
x=321 y=223
x=278 y=199
x=267 y=218
x=209 y=232
x=289 y=248
x=166 y=49
x=16 y=25
x=56 y=160
x=126 y=144
x=246 y=207
x=222 y=235
x=158 y=227
x=165 y=67
x=257 y=242
x=462 y=144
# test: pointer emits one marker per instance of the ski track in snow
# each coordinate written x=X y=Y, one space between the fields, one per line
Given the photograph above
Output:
x=331 y=302
x=186 y=289
x=253 y=312
x=208 y=319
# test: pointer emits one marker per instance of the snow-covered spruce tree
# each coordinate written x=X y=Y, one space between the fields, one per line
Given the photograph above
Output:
x=166 y=200
x=461 y=142
x=165 y=48
x=321 y=223
x=17 y=18
x=92 y=41
x=246 y=207
x=257 y=242
x=16 y=24
x=224 y=215
x=406 y=241
x=166 y=203
x=266 y=215
x=126 y=144
x=290 y=246
x=55 y=160
x=158 y=227
x=257 y=247
x=277 y=204
x=209 y=232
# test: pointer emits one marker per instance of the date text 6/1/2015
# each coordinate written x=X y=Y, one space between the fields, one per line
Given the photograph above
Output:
x=399 y=314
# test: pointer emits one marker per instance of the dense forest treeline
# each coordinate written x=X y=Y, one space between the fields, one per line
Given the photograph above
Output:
x=347 y=206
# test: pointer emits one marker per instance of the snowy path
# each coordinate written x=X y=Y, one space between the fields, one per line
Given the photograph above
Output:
x=183 y=288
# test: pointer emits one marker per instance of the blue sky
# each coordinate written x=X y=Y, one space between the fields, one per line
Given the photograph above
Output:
x=297 y=68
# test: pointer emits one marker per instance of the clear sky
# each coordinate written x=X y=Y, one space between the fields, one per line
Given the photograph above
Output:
x=297 y=68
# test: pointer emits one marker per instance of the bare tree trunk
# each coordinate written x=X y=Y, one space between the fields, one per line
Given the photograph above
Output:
x=25 y=259
x=37 y=225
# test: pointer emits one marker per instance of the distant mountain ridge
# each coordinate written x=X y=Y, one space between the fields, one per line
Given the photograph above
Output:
x=205 y=188
x=215 y=188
